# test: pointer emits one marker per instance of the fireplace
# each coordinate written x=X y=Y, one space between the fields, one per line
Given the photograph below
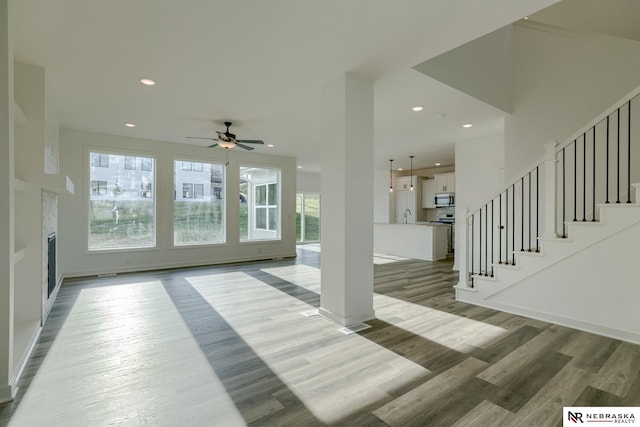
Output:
x=51 y=263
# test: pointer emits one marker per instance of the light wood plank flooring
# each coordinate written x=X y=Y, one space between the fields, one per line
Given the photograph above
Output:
x=229 y=346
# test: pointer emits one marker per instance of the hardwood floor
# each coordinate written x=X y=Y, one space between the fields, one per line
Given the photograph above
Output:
x=229 y=346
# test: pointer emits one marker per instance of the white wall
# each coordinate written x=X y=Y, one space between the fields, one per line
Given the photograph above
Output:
x=383 y=201
x=479 y=174
x=6 y=209
x=490 y=58
x=76 y=260
x=586 y=295
x=308 y=182
x=562 y=80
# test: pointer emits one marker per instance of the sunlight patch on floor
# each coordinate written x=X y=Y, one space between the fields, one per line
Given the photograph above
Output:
x=380 y=259
x=450 y=330
x=125 y=356
x=313 y=247
x=332 y=374
x=302 y=275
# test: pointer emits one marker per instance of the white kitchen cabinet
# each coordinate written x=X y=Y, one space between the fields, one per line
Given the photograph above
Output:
x=406 y=205
x=429 y=193
x=445 y=182
x=403 y=183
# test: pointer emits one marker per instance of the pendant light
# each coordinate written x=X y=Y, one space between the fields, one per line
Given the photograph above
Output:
x=411 y=173
x=391 y=176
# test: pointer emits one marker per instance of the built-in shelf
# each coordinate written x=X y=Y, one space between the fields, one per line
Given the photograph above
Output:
x=19 y=185
x=19 y=118
x=19 y=254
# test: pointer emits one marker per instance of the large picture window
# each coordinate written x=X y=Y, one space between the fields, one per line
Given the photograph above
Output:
x=259 y=203
x=307 y=217
x=198 y=209
x=121 y=202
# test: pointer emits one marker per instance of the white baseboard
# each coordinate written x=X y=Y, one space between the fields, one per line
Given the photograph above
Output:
x=25 y=356
x=202 y=263
x=582 y=325
x=7 y=393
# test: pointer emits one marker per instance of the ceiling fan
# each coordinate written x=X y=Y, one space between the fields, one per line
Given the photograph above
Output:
x=228 y=140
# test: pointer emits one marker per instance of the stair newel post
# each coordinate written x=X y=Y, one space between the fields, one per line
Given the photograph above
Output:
x=550 y=190
x=466 y=241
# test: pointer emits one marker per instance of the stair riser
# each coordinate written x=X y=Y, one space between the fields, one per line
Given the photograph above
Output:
x=619 y=213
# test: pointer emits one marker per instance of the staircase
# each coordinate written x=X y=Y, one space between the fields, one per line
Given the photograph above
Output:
x=559 y=243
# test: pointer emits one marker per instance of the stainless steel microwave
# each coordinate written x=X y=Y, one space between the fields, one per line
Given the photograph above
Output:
x=444 y=200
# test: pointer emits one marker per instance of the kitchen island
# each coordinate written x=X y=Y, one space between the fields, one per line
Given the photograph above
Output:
x=427 y=241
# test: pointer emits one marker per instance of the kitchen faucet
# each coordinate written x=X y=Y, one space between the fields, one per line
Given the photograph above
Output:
x=406 y=212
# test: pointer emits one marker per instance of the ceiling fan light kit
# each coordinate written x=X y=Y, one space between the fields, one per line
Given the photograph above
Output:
x=228 y=140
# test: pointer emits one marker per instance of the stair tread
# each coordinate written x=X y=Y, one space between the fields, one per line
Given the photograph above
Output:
x=483 y=277
x=507 y=266
x=531 y=253
x=618 y=205
x=587 y=223
x=554 y=239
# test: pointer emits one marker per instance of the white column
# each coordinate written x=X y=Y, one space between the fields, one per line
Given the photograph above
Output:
x=347 y=200
x=550 y=190
x=7 y=390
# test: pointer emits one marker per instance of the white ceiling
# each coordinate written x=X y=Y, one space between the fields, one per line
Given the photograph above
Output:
x=261 y=65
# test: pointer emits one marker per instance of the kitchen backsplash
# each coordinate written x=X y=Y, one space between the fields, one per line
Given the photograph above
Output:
x=444 y=212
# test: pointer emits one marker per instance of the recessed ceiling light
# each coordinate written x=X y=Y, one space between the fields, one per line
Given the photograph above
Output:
x=438 y=164
x=400 y=169
x=147 y=81
x=526 y=17
x=417 y=108
x=467 y=125
x=270 y=145
x=299 y=167
x=130 y=125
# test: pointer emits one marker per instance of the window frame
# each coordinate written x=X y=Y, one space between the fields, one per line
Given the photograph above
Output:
x=102 y=160
x=189 y=192
x=191 y=174
x=98 y=187
x=267 y=206
x=250 y=176
x=127 y=160
x=88 y=164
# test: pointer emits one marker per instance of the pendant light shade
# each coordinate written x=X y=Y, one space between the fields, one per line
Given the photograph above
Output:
x=411 y=173
x=391 y=176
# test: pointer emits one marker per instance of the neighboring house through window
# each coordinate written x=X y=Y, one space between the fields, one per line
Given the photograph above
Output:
x=98 y=188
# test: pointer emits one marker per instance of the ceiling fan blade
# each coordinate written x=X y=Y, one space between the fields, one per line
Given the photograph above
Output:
x=250 y=141
x=201 y=137
x=212 y=145
x=246 y=147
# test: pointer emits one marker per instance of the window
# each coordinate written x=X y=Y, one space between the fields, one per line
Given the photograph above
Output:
x=197 y=167
x=198 y=219
x=145 y=190
x=146 y=164
x=307 y=217
x=121 y=202
x=259 y=203
x=99 y=160
x=266 y=207
x=98 y=188
x=130 y=163
x=217 y=192
x=187 y=191
x=198 y=191
x=186 y=166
